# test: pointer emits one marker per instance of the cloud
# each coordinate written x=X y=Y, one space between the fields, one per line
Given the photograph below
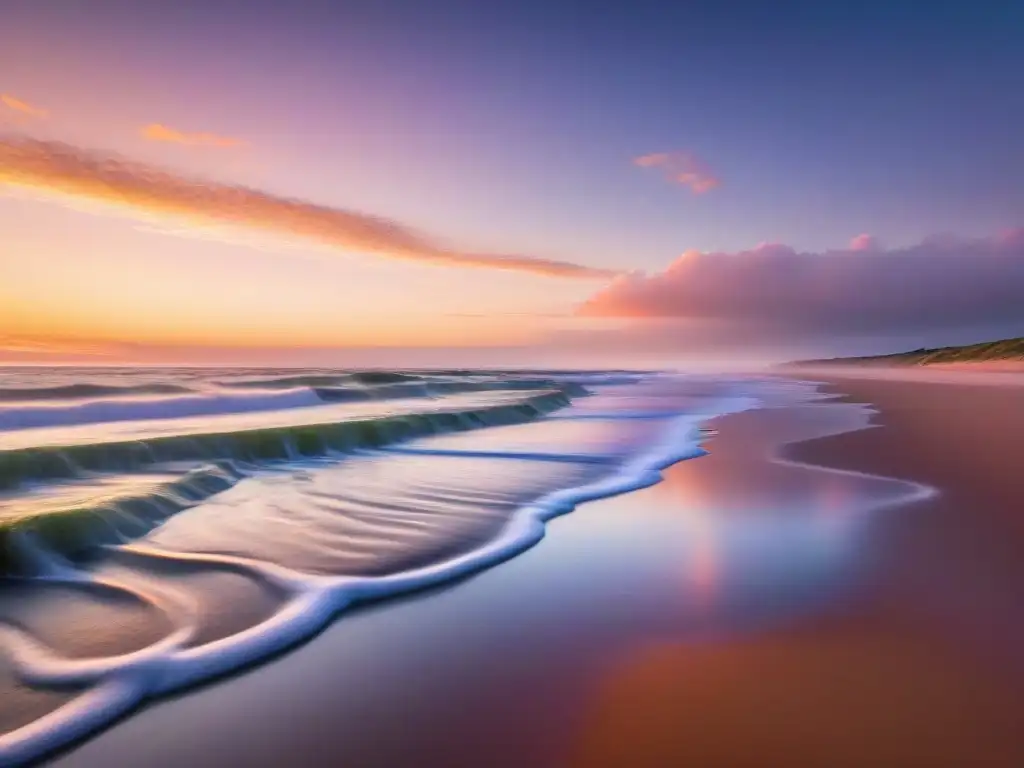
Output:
x=158 y=132
x=774 y=294
x=681 y=168
x=68 y=171
x=864 y=243
x=21 y=106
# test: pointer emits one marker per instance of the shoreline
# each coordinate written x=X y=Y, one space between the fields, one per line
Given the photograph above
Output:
x=921 y=668
x=544 y=702
x=312 y=604
x=750 y=605
x=968 y=436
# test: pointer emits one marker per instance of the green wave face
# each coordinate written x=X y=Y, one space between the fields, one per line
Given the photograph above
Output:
x=75 y=527
x=72 y=526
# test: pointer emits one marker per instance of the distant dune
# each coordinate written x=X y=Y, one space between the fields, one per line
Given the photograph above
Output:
x=1005 y=354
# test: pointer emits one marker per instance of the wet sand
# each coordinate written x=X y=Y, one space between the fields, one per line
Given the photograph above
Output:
x=743 y=612
x=923 y=667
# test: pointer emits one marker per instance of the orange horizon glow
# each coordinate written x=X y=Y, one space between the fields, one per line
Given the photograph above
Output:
x=54 y=350
x=76 y=330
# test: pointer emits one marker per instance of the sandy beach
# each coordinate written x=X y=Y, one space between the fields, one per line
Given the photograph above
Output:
x=746 y=611
x=920 y=666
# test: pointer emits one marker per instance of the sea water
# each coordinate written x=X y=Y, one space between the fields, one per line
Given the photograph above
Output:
x=238 y=511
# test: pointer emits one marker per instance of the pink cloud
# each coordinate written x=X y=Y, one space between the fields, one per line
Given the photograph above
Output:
x=683 y=168
x=775 y=292
x=864 y=243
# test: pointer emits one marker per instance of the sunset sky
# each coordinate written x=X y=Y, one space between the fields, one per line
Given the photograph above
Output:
x=461 y=182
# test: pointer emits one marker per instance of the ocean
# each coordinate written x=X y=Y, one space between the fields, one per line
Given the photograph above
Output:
x=162 y=527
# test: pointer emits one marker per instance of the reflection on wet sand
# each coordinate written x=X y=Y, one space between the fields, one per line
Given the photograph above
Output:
x=826 y=508
x=703 y=573
x=872 y=679
x=755 y=537
x=833 y=694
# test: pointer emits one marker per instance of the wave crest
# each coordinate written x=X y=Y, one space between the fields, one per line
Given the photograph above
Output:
x=84 y=391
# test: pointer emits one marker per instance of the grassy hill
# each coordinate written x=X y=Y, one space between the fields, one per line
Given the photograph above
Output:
x=988 y=351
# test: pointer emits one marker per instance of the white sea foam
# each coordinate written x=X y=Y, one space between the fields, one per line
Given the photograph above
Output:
x=71 y=412
x=115 y=685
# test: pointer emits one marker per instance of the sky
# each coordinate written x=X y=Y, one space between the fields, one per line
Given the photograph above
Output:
x=541 y=182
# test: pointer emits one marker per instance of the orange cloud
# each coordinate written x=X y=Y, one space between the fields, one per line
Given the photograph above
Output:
x=21 y=106
x=681 y=168
x=68 y=171
x=158 y=132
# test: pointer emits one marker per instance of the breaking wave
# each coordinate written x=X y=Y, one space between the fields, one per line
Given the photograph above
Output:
x=261 y=444
x=67 y=413
x=84 y=391
x=320 y=512
x=320 y=380
x=33 y=414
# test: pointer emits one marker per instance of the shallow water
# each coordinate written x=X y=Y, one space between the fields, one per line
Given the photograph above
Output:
x=521 y=665
x=178 y=547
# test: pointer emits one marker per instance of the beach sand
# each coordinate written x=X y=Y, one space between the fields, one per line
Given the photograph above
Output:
x=922 y=667
x=744 y=612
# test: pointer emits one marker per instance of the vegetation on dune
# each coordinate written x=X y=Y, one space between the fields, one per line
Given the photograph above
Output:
x=988 y=351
